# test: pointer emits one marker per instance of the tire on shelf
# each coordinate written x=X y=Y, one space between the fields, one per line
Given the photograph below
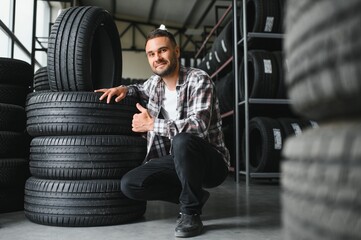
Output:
x=265 y=145
x=321 y=182
x=41 y=80
x=84 y=50
x=225 y=92
x=222 y=47
x=79 y=203
x=282 y=6
x=262 y=75
x=281 y=90
x=323 y=54
x=85 y=157
x=209 y=63
x=78 y=113
x=262 y=17
x=295 y=126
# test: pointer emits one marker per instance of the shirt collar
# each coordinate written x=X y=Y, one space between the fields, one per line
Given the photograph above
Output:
x=181 y=76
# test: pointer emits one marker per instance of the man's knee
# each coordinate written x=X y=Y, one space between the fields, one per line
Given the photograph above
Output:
x=181 y=141
x=127 y=186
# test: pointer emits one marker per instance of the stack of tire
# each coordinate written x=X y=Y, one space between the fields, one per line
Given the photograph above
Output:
x=265 y=79
x=262 y=17
x=15 y=76
x=322 y=167
x=267 y=137
x=220 y=52
x=265 y=75
x=41 y=80
x=82 y=146
x=265 y=58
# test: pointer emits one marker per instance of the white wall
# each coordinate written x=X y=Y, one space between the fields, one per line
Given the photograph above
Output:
x=135 y=65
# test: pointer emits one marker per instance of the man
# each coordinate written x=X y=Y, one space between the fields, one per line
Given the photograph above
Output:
x=185 y=149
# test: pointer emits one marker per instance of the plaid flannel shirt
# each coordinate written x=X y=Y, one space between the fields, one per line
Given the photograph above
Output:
x=197 y=111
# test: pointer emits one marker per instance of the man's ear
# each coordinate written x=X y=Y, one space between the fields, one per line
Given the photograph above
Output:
x=177 y=50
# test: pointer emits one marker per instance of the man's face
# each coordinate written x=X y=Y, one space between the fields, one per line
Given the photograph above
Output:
x=162 y=56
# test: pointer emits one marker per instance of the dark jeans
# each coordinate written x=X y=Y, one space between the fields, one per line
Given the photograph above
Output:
x=179 y=177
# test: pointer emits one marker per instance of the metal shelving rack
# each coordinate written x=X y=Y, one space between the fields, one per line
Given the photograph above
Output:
x=247 y=101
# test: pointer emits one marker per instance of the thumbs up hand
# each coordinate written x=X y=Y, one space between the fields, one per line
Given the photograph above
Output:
x=142 y=122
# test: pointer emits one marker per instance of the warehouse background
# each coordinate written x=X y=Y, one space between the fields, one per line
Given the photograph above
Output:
x=190 y=20
x=316 y=146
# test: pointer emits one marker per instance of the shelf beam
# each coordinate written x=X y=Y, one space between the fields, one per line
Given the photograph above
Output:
x=269 y=101
x=262 y=175
x=259 y=101
x=265 y=35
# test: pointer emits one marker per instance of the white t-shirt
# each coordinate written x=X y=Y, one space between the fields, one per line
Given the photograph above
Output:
x=169 y=105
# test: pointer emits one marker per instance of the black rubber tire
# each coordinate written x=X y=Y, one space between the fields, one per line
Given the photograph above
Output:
x=262 y=17
x=281 y=65
x=85 y=157
x=84 y=50
x=11 y=199
x=323 y=51
x=209 y=63
x=262 y=75
x=265 y=145
x=78 y=113
x=225 y=92
x=15 y=72
x=282 y=6
x=12 y=118
x=295 y=126
x=228 y=133
x=321 y=183
x=13 y=145
x=13 y=172
x=79 y=203
x=13 y=94
x=41 y=80
x=222 y=47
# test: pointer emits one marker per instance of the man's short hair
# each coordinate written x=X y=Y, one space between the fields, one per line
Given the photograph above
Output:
x=161 y=33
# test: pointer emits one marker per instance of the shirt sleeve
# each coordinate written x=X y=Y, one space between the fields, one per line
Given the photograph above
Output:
x=140 y=90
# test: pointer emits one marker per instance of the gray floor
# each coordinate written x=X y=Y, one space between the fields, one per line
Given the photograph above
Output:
x=234 y=211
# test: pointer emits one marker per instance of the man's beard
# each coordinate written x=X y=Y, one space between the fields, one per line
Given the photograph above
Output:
x=169 y=70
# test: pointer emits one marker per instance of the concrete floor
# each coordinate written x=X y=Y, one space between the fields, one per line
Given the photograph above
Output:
x=234 y=211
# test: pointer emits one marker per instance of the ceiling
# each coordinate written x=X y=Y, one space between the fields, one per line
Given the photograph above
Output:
x=182 y=14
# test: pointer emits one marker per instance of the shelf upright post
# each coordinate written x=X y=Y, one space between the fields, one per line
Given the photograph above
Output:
x=33 y=35
x=236 y=97
x=246 y=110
